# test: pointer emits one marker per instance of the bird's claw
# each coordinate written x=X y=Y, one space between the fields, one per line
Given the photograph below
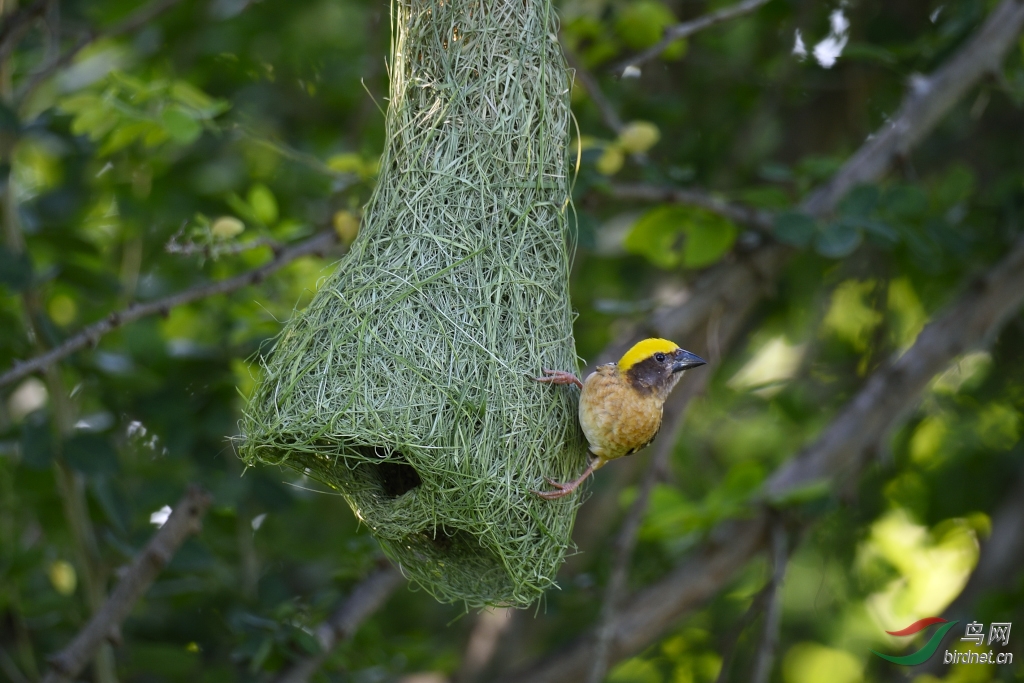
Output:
x=558 y=377
x=563 y=490
x=552 y=495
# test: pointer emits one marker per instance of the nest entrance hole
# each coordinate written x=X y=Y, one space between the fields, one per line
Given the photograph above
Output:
x=393 y=473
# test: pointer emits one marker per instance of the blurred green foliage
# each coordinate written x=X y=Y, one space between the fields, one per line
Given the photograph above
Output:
x=265 y=115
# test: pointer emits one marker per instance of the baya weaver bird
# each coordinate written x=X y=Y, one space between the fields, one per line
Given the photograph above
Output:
x=621 y=403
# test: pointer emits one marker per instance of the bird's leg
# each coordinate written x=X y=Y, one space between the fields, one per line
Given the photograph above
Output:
x=559 y=377
x=566 y=489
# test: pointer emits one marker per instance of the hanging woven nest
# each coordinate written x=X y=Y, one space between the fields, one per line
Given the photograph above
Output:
x=404 y=384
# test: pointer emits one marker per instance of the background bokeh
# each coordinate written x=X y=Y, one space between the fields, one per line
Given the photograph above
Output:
x=186 y=150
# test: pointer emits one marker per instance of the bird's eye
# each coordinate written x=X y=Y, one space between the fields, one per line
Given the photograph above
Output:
x=660 y=357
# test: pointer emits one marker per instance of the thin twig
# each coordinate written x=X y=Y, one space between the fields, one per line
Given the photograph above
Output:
x=704 y=575
x=748 y=216
x=743 y=281
x=289 y=152
x=586 y=78
x=17 y=24
x=184 y=521
x=980 y=312
x=10 y=669
x=773 y=615
x=214 y=251
x=757 y=606
x=687 y=29
x=625 y=542
x=927 y=100
x=133 y=22
x=70 y=484
x=366 y=598
x=92 y=334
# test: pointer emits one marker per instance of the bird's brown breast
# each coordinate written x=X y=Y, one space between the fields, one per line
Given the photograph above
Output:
x=616 y=418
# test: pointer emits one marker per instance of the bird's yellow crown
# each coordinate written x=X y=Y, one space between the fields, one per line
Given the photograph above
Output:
x=644 y=350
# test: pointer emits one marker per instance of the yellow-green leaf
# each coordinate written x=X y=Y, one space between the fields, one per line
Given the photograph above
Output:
x=681 y=235
x=263 y=204
x=180 y=126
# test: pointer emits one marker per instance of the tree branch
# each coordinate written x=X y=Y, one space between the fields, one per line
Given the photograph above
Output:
x=366 y=598
x=91 y=334
x=625 y=542
x=583 y=75
x=757 y=606
x=838 y=454
x=928 y=100
x=919 y=113
x=747 y=216
x=687 y=29
x=773 y=615
x=740 y=282
x=184 y=521
x=622 y=551
x=980 y=312
x=215 y=251
x=15 y=25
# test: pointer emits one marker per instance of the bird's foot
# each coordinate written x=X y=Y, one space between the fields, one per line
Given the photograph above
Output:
x=559 y=377
x=553 y=495
x=563 y=489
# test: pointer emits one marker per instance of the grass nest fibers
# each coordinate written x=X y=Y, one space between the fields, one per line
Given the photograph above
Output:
x=404 y=384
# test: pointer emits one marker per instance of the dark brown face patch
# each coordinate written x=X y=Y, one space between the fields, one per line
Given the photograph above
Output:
x=649 y=374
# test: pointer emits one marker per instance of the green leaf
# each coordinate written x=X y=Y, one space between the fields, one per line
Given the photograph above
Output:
x=241 y=208
x=805 y=493
x=180 y=126
x=95 y=121
x=681 y=235
x=15 y=269
x=906 y=201
x=78 y=104
x=956 y=186
x=136 y=87
x=263 y=203
x=191 y=96
x=886 y=233
x=91 y=454
x=765 y=197
x=642 y=24
x=194 y=98
x=860 y=202
x=795 y=228
x=305 y=641
x=838 y=239
x=156 y=136
x=125 y=135
x=655 y=236
x=866 y=52
x=709 y=238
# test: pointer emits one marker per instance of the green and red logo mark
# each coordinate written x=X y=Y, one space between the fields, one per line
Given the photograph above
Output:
x=922 y=655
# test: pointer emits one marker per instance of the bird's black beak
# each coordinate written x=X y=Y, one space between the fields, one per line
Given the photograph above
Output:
x=684 y=360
